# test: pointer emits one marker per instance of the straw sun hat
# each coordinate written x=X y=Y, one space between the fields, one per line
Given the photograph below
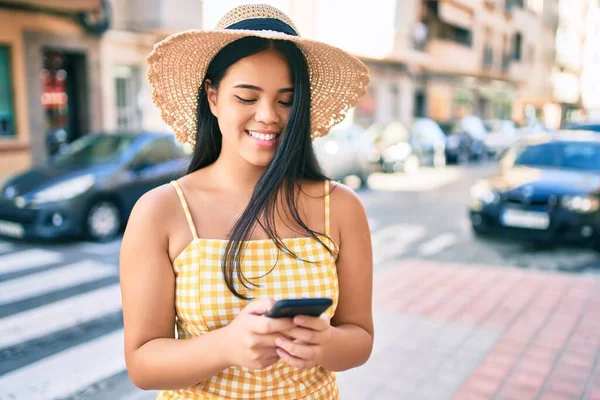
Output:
x=177 y=65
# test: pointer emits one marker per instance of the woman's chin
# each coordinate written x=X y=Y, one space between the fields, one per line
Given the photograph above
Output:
x=258 y=159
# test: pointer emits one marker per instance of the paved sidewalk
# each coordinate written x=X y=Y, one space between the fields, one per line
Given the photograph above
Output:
x=446 y=331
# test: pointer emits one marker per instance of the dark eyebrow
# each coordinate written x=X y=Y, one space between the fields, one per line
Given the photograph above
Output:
x=256 y=88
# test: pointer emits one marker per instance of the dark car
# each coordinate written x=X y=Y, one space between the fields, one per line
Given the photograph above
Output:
x=548 y=190
x=465 y=140
x=90 y=187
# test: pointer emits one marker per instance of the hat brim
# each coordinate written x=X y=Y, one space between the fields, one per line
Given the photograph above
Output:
x=178 y=64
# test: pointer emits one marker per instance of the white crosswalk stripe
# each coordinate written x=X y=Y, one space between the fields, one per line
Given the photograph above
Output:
x=101 y=249
x=52 y=280
x=438 y=244
x=67 y=372
x=59 y=315
x=28 y=259
x=5 y=247
x=394 y=240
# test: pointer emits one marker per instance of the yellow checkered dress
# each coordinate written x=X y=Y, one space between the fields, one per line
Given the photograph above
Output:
x=204 y=303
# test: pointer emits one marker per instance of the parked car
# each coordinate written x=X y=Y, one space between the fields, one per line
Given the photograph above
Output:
x=90 y=187
x=346 y=151
x=548 y=190
x=405 y=149
x=532 y=128
x=585 y=126
x=465 y=140
x=501 y=135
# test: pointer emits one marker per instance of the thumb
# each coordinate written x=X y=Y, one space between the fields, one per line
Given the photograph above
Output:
x=258 y=307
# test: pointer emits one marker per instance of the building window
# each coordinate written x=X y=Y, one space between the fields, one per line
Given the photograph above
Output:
x=517 y=47
x=395 y=103
x=456 y=34
x=128 y=86
x=488 y=50
x=7 y=116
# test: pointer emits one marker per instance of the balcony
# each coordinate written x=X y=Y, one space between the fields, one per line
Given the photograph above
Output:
x=449 y=56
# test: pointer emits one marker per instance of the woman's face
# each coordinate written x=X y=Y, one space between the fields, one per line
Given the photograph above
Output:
x=252 y=105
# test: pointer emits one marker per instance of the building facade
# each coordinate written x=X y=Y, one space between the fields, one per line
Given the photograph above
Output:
x=444 y=58
x=78 y=66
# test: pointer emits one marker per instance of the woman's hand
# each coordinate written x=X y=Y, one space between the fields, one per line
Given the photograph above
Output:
x=305 y=343
x=252 y=335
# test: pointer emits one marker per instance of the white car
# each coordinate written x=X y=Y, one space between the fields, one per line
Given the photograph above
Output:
x=346 y=151
x=502 y=134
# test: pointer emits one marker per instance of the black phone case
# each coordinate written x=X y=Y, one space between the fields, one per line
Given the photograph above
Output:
x=292 y=307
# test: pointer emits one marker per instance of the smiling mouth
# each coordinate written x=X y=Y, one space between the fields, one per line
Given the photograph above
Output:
x=267 y=137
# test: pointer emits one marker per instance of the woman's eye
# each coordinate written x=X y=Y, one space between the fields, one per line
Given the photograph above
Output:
x=244 y=101
x=286 y=103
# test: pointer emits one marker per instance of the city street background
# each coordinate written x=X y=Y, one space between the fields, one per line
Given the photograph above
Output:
x=459 y=89
x=68 y=343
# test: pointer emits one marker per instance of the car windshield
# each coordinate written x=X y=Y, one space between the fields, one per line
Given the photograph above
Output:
x=94 y=150
x=568 y=155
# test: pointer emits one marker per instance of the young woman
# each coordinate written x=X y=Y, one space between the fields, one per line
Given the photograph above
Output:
x=254 y=221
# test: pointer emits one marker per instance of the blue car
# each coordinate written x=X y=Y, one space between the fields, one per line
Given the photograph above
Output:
x=548 y=190
x=89 y=188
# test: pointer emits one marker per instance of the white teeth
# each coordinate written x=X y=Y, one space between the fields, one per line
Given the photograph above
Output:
x=262 y=136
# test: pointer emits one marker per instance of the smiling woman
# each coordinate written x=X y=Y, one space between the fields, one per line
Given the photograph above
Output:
x=260 y=109
x=253 y=221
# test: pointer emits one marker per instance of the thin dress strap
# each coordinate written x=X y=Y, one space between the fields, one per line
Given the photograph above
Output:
x=186 y=209
x=327 y=214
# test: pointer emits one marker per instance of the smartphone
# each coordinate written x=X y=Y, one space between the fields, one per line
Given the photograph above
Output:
x=289 y=308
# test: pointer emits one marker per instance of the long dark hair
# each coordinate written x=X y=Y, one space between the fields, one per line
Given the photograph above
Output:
x=294 y=159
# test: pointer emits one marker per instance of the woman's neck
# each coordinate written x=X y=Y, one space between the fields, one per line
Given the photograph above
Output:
x=236 y=174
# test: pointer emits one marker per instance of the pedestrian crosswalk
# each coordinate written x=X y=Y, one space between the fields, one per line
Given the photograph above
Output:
x=66 y=306
x=56 y=316
x=32 y=258
x=63 y=374
x=70 y=310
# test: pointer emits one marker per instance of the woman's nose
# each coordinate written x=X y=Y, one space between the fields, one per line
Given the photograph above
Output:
x=267 y=114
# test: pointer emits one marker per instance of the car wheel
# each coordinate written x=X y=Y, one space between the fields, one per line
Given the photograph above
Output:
x=103 y=221
x=388 y=167
x=411 y=165
x=478 y=231
x=364 y=180
x=596 y=244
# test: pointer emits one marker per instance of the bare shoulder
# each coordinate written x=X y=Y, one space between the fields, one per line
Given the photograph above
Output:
x=344 y=201
x=348 y=215
x=151 y=211
x=155 y=203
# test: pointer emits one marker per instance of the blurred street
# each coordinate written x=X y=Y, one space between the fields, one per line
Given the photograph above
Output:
x=481 y=116
x=60 y=304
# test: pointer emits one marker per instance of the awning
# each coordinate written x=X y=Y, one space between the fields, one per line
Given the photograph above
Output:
x=61 y=5
x=455 y=15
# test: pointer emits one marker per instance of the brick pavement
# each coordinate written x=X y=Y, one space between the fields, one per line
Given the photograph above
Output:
x=456 y=332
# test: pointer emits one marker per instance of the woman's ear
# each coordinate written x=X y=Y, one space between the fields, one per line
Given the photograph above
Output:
x=211 y=95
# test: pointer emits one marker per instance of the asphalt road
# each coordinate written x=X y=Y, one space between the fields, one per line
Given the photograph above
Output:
x=60 y=315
